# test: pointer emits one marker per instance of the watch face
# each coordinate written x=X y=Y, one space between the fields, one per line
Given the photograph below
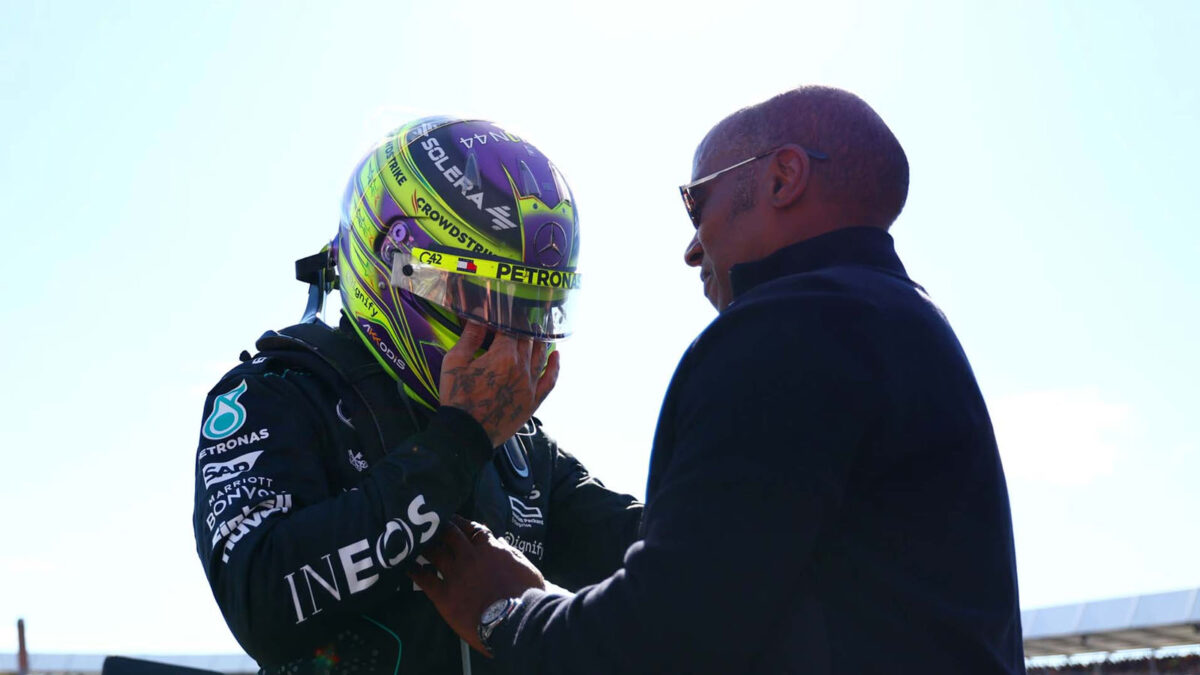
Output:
x=494 y=611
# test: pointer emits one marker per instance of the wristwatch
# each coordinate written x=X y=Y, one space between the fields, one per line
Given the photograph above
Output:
x=494 y=615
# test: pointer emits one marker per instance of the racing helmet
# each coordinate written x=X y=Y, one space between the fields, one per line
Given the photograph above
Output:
x=446 y=219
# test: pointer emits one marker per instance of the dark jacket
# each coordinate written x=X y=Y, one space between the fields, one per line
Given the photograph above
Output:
x=304 y=522
x=825 y=495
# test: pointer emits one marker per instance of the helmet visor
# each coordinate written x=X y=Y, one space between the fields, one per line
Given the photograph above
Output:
x=513 y=298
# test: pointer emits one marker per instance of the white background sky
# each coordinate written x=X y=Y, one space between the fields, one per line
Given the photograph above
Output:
x=162 y=165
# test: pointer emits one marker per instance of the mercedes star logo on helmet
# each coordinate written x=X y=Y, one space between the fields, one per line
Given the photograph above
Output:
x=549 y=243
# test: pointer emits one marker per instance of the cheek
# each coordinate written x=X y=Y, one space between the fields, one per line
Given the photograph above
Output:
x=711 y=243
x=720 y=248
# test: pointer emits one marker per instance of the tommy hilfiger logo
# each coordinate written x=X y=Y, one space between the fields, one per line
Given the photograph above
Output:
x=525 y=516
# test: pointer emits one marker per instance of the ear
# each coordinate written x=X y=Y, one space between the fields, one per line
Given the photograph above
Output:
x=788 y=173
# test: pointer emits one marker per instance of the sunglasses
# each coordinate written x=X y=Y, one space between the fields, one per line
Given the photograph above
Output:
x=694 y=192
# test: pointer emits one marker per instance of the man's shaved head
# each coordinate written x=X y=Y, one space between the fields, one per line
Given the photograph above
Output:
x=866 y=176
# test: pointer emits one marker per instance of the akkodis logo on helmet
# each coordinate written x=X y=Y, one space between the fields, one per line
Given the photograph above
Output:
x=227 y=415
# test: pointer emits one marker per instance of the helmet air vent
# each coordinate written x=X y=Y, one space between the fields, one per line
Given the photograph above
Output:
x=472 y=172
x=529 y=184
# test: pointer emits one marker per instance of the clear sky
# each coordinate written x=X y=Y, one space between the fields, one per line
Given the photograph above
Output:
x=163 y=164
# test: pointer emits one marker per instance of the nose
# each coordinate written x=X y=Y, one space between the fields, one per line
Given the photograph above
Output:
x=693 y=255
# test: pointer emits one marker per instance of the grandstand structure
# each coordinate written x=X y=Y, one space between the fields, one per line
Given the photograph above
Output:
x=1137 y=622
x=1103 y=636
x=159 y=664
x=1095 y=638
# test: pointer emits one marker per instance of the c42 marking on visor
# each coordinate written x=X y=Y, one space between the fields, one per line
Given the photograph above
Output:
x=227 y=415
x=504 y=271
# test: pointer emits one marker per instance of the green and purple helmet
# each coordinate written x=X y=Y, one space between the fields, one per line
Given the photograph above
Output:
x=446 y=219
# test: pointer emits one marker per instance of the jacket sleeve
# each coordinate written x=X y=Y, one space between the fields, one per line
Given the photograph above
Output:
x=288 y=556
x=590 y=526
x=761 y=425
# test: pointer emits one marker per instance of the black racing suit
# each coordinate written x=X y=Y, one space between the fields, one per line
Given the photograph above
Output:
x=308 y=512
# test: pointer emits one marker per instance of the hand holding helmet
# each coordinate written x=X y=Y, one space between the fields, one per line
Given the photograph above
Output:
x=446 y=222
x=502 y=387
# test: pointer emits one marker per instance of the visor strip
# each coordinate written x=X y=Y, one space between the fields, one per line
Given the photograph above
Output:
x=505 y=271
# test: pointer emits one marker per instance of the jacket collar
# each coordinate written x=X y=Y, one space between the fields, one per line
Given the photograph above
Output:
x=858 y=246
